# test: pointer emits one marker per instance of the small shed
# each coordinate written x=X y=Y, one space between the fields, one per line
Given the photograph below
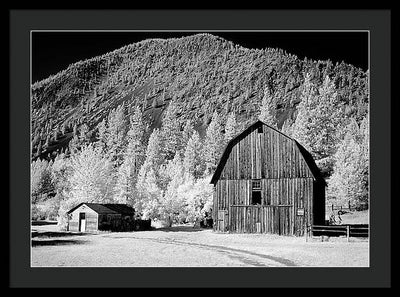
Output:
x=266 y=182
x=93 y=217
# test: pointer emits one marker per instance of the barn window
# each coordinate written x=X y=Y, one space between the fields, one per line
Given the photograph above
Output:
x=260 y=129
x=256 y=185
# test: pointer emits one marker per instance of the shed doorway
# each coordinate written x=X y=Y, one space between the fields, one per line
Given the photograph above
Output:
x=82 y=222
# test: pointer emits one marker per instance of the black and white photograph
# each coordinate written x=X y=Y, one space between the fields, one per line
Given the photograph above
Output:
x=243 y=148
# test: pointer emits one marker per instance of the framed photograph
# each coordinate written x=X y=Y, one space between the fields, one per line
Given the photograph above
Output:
x=170 y=151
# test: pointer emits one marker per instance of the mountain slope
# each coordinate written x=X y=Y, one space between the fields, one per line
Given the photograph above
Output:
x=202 y=73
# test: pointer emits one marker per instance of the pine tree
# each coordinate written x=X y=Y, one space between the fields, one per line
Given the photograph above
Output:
x=102 y=134
x=170 y=132
x=231 y=128
x=47 y=143
x=80 y=139
x=265 y=109
x=153 y=159
x=193 y=163
x=75 y=130
x=302 y=126
x=133 y=160
x=125 y=185
x=347 y=182
x=136 y=140
x=116 y=134
x=287 y=127
x=213 y=144
x=317 y=125
x=364 y=131
x=186 y=135
x=326 y=121
x=148 y=190
x=39 y=148
x=41 y=182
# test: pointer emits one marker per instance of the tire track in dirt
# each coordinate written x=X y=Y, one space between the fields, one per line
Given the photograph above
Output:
x=233 y=253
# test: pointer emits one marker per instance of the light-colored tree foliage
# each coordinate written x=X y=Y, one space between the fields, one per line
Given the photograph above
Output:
x=171 y=203
x=231 y=128
x=187 y=133
x=148 y=191
x=134 y=157
x=318 y=125
x=116 y=134
x=326 y=121
x=348 y=182
x=266 y=107
x=91 y=180
x=41 y=182
x=302 y=127
x=198 y=199
x=213 y=144
x=112 y=134
x=149 y=195
x=170 y=133
x=193 y=162
x=81 y=137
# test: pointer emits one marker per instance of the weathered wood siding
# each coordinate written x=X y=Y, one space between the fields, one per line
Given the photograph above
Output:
x=269 y=154
x=91 y=219
x=261 y=219
x=109 y=222
x=287 y=185
x=293 y=193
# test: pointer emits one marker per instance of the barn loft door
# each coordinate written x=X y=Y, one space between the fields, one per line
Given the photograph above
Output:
x=256 y=192
x=82 y=222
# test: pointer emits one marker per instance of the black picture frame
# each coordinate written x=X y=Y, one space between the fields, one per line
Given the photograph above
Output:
x=377 y=22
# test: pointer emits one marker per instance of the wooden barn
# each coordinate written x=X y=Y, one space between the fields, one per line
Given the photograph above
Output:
x=266 y=182
x=93 y=217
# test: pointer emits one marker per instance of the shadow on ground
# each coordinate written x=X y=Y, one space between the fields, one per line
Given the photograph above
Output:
x=42 y=223
x=56 y=242
x=56 y=234
x=180 y=229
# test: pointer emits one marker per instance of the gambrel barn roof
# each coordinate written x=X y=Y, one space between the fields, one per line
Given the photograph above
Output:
x=304 y=153
x=107 y=208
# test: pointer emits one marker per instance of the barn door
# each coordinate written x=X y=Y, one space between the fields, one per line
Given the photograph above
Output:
x=82 y=222
x=223 y=220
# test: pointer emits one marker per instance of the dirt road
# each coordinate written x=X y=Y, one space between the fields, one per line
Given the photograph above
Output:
x=188 y=247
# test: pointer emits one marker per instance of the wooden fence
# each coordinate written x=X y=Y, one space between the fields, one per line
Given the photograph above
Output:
x=347 y=207
x=338 y=230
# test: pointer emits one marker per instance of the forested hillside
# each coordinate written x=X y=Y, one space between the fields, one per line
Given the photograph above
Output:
x=153 y=117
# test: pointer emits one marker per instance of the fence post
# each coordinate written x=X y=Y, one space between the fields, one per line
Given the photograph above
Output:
x=348 y=233
x=306 y=231
x=332 y=207
x=349 y=206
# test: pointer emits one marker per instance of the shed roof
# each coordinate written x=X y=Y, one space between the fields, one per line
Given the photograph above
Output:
x=107 y=208
x=306 y=155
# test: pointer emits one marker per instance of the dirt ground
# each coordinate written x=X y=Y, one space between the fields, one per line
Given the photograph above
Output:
x=185 y=246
